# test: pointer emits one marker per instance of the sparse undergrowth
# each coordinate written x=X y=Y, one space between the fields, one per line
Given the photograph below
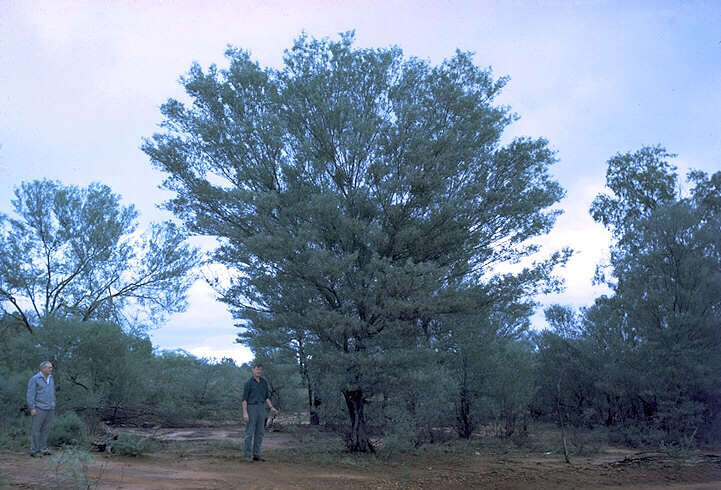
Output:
x=307 y=455
x=133 y=445
x=14 y=433
x=71 y=467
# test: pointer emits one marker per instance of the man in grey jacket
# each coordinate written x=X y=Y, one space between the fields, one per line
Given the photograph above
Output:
x=41 y=402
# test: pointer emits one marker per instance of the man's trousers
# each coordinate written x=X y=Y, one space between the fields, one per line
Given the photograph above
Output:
x=40 y=429
x=254 y=430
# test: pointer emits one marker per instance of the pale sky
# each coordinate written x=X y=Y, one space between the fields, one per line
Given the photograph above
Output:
x=81 y=84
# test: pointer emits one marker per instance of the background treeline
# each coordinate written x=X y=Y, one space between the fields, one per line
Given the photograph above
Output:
x=643 y=360
x=106 y=375
x=640 y=362
x=382 y=246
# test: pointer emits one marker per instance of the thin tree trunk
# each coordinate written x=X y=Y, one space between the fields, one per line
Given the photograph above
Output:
x=313 y=400
x=465 y=425
x=561 y=417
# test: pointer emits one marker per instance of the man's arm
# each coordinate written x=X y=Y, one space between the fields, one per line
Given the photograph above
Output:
x=246 y=392
x=270 y=405
x=245 y=411
x=30 y=396
x=267 y=398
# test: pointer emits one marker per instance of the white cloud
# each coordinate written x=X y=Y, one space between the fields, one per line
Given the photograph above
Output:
x=240 y=354
x=205 y=329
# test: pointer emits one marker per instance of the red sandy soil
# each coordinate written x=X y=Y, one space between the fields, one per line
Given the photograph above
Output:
x=211 y=458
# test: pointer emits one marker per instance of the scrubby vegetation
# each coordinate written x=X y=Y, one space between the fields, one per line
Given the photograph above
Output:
x=366 y=210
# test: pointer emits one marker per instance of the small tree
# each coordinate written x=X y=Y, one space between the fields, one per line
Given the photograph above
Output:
x=661 y=323
x=74 y=252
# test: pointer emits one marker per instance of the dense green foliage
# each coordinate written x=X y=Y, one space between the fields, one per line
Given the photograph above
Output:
x=644 y=360
x=68 y=429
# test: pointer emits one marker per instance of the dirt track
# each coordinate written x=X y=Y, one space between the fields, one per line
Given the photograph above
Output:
x=296 y=460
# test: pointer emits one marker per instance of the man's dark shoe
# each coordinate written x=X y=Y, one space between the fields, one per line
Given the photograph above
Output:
x=258 y=458
x=46 y=452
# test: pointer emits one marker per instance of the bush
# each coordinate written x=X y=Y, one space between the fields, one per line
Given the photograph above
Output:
x=637 y=435
x=132 y=445
x=70 y=468
x=67 y=430
x=588 y=442
x=13 y=386
x=14 y=433
x=402 y=437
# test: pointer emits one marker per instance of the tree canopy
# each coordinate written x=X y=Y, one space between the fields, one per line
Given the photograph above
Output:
x=360 y=197
x=75 y=252
x=643 y=358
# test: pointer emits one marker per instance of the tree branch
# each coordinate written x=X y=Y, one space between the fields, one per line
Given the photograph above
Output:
x=21 y=313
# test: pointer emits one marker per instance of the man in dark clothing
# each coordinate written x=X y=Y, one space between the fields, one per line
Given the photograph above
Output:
x=256 y=395
x=41 y=402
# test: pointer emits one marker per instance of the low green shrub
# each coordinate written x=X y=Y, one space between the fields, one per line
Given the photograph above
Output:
x=67 y=430
x=69 y=468
x=634 y=436
x=132 y=445
x=587 y=442
x=15 y=433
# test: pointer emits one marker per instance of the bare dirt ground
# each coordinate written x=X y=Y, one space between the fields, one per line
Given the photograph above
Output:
x=305 y=457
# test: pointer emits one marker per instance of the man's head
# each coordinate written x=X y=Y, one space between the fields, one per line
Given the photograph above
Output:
x=257 y=369
x=46 y=367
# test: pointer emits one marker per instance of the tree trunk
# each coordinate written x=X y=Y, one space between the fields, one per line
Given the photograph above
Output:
x=561 y=421
x=313 y=400
x=313 y=403
x=609 y=417
x=509 y=417
x=465 y=424
x=357 y=440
